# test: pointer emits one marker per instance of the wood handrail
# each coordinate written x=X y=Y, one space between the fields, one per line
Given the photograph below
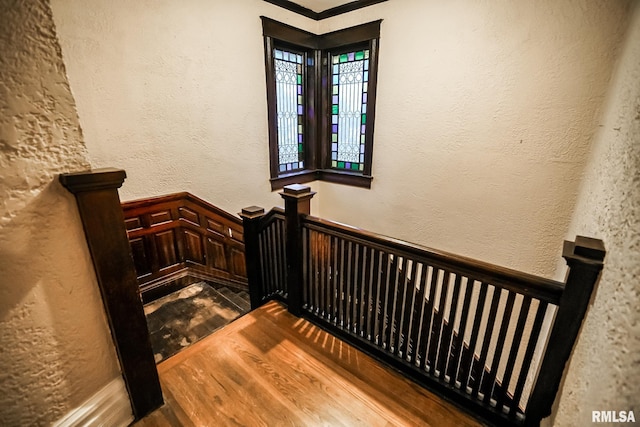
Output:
x=158 y=200
x=400 y=301
x=527 y=284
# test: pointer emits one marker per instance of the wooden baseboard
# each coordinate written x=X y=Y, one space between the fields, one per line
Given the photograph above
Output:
x=108 y=407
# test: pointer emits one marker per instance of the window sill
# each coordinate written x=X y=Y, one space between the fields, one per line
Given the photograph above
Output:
x=329 y=175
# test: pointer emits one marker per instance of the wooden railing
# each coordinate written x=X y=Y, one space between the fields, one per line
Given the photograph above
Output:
x=471 y=331
x=180 y=238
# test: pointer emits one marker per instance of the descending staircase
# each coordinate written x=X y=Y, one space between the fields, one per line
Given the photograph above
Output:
x=183 y=317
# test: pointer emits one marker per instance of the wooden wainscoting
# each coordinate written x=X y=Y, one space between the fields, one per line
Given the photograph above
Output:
x=179 y=238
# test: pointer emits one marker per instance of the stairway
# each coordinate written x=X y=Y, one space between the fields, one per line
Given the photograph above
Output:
x=184 y=317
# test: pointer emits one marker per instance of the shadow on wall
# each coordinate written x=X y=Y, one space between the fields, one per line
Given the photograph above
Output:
x=52 y=324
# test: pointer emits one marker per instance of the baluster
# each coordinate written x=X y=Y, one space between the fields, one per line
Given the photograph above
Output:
x=439 y=325
x=374 y=268
x=446 y=341
x=515 y=346
x=488 y=333
x=387 y=323
x=334 y=280
x=383 y=298
x=459 y=345
x=399 y=296
x=409 y=315
x=341 y=282
x=528 y=356
x=506 y=318
x=421 y=298
x=467 y=363
x=357 y=290
x=428 y=321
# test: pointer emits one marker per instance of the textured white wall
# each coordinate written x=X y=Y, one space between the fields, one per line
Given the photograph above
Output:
x=604 y=372
x=485 y=115
x=174 y=93
x=486 y=112
x=56 y=347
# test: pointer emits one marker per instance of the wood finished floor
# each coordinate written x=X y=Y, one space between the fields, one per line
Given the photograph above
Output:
x=270 y=368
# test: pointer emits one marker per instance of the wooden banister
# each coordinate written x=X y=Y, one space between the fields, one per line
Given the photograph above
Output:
x=464 y=328
x=98 y=202
x=251 y=217
x=585 y=258
x=529 y=284
x=297 y=202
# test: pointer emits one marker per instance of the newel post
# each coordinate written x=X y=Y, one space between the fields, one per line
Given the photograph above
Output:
x=297 y=202
x=584 y=258
x=251 y=224
x=100 y=210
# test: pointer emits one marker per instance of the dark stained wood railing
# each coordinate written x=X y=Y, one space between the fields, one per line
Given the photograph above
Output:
x=178 y=238
x=471 y=331
x=266 y=254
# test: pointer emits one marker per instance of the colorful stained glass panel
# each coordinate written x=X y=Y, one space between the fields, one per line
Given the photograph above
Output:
x=289 y=78
x=348 y=109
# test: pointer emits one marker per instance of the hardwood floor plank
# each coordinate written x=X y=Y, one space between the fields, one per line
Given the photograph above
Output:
x=270 y=368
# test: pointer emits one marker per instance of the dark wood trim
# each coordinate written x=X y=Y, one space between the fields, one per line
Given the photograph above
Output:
x=295 y=8
x=301 y=177
x=343 y=177
x=251 y=217
x=348 y=7
x=328 y=13
x=98 y=202
x=288 y=33
x=585 y=259
x=352 y=35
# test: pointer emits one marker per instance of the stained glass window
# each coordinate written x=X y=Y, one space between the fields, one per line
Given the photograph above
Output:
x=349 y=81
x=321 y=96
x=289 y=109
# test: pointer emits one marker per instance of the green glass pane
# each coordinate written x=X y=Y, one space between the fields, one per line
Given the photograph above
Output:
x=344 y=57
x=334 y=164
x=300 y=148
x=341 y=165
x=359 y=55
x=334 y=109
x=366 y=54
x=354 y=166
x=335 y=90
x=364 y=118
x=334 y=137
x=299 y=79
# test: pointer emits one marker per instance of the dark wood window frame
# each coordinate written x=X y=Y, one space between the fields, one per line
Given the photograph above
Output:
x=317 y=50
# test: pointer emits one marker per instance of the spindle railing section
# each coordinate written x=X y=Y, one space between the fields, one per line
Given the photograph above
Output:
x=468 y=330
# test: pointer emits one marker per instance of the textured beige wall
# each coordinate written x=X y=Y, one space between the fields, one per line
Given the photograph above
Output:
x=174 y=93
x=485 y=116
x=604 y=372
x=486 y=111
x=56 y=347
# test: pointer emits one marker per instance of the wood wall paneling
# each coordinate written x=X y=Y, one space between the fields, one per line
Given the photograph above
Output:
x=180 y=235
